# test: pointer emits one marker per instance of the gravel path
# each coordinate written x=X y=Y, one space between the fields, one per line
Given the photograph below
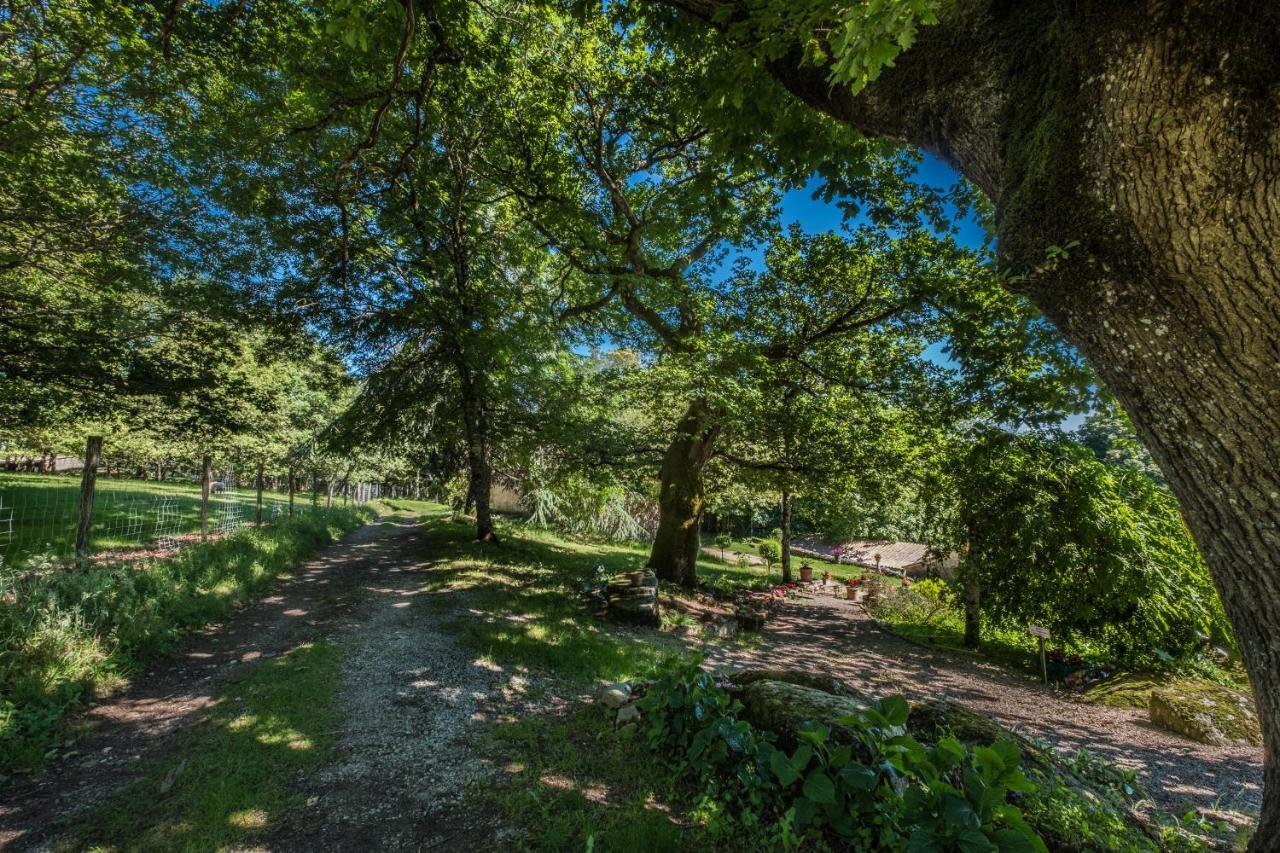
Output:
x=834 y=637
x=408 y=692
x=410 y=697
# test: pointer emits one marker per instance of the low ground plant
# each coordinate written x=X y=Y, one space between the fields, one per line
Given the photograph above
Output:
x=882 y=790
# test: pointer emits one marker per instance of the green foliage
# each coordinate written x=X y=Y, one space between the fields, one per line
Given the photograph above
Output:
x=1093 y=551
x=879 y=790
x=770 y=551
x=66 y=633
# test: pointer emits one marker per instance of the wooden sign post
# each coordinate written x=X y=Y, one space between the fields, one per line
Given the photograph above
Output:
x=1041 y=634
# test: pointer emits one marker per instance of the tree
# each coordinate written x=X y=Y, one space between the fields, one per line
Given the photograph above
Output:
x=1144 y=138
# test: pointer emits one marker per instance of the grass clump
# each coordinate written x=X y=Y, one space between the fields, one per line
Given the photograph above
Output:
x=572 y=783
x=230 y=783
x=67 y=633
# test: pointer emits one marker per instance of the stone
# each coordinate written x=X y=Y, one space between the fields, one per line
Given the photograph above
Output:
x=750 y=620
x=1205 y=712
x=721 y=628
x=627 y=714
x=614 y=696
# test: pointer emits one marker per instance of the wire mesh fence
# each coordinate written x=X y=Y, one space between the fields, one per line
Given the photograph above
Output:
x=39 y=513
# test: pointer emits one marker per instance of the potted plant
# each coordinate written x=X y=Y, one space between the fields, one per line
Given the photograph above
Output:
x=636 y=578
x=806 y=573
x=853 y=590
x=826 y=576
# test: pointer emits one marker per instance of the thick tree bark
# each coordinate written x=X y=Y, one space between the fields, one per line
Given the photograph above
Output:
x=786 y=536
x=972 y=608
x=1149 y=133
x=476 y=424
x=88 y=479
x=681 y=498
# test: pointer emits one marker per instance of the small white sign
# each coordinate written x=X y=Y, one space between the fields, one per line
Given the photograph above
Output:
x=1037 y=631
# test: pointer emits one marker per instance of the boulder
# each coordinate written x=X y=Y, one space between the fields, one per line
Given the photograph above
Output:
x=614 y=696
x=1205 y=712
x=627 y=714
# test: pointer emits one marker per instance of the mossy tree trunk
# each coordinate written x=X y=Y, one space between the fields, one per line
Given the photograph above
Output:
x=681 y=497
x=1146 y=136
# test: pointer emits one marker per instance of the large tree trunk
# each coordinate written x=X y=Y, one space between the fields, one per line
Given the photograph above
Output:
x=476 y=423
x=972 y=607
x=786 y=536
x=681 y=499
x=1149 y=134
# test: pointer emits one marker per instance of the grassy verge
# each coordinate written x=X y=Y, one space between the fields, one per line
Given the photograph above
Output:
x=230 y=780
x=69 y=633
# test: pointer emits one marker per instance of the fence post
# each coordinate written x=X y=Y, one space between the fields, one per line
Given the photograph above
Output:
x=291 y=483
x=260 y=467
x=206 y=475
x=88 y=479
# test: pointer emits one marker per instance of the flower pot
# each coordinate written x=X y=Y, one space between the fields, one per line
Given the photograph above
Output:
x=636 y=578
x=806 y=574
x=853 y=593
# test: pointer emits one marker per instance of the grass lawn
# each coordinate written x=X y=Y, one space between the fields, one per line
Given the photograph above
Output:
x=38 y=512
x=231 y=777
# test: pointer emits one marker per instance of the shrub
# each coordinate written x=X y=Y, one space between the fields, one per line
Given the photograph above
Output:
x=770 y=551
x=882 y=791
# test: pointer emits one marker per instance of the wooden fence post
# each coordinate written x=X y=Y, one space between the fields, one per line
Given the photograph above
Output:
x=206 y=476
x=260 y=467
x=88 y=479
x=291 y=487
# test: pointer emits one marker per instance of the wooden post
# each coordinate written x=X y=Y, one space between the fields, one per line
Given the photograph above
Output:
x=206 y=479
x=1041 y=634
x=291 y=485
x=260 y=467
x=88 y=479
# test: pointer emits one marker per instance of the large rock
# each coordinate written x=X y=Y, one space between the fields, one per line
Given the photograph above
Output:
x=1205 y=712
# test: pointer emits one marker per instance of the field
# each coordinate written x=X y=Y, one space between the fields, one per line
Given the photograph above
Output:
x=38 y=513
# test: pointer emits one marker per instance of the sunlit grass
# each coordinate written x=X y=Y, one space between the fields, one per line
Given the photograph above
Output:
x=230 y=781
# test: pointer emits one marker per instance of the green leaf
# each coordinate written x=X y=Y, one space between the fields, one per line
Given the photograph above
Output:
x=1013 y=841
x=859 y=777
x=782 y=768
x=894 y=709
x=819 y=788
x=802 y=756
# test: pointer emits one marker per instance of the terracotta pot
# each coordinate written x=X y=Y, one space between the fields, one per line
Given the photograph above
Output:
x=806 y=574
x=853 y=593
x=635 y=578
